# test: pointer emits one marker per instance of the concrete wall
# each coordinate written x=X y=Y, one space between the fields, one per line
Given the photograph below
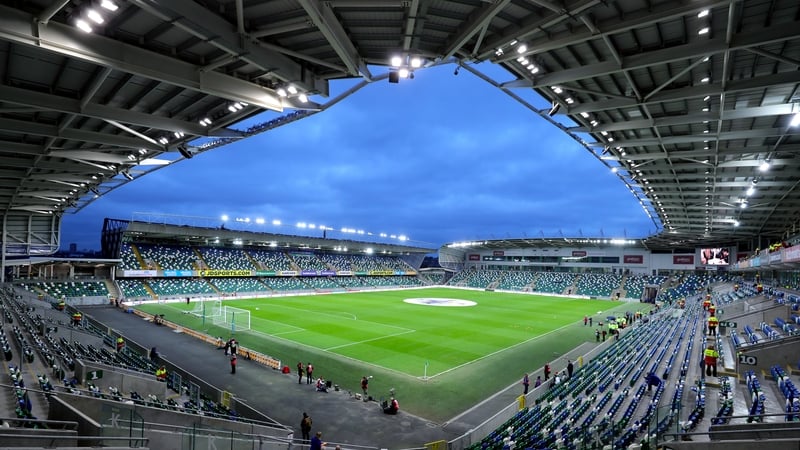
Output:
x=38 y=438
x=162 y=428
x=783 y=352
x=61 y=410
x=126 y=381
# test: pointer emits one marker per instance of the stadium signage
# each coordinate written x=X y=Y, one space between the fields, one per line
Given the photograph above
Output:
x=748 y=360
x=327 y=273
x=474 y=257
x=579 y=253
x=309 y=273
x=682 y=259
x=791 y=253
x=287 y=273
x=139 y=273
x=178 y=273
x=345 y=273
x=265 y=273
x=633 y=259
x=225 y=273
x=381 y=273
x=498 y=253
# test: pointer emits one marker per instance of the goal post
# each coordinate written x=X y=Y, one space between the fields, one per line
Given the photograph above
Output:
x=234 y=319
x=207 y=309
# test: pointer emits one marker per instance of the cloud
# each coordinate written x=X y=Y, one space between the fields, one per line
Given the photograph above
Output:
x=439 y=158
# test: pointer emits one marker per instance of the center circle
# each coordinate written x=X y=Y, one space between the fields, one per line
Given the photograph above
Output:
x=428 y=301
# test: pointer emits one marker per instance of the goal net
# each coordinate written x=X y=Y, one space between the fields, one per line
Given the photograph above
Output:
x=207 y=309
x=234 y=319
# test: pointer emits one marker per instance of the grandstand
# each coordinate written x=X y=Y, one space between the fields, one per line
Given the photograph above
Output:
x=605 y=403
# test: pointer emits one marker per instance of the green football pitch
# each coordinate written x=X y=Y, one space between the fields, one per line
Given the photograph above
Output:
x=442 y=350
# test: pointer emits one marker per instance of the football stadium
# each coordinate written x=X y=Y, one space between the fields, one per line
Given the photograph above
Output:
x=189 y=332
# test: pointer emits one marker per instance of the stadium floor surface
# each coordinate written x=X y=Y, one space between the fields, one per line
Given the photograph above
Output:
x=341 y=418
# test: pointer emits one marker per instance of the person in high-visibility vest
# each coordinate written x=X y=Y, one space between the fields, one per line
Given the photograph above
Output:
x=710 y=357
x=712 y=325
x=76 y=318
x=712 y=310
x=120 y=343
x=61 y=305
x=707 y=302
x=161 y=374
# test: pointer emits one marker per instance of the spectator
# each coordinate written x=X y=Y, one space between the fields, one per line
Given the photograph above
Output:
x=364 y=386
x=154 y=355
x=305 y=427
x=652 y=380
x=392 y=407
x=316 y=442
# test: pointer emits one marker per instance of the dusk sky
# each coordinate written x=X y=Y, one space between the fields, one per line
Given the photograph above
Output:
x=438 y=158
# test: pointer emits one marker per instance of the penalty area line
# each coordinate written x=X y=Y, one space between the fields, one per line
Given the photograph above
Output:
x=368 y=340
x=497 y=352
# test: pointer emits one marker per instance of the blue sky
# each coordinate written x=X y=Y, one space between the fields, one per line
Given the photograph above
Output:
x=438 y=158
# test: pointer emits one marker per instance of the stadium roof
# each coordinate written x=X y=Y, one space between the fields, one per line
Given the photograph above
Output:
x=685 y=100
x=199 y=235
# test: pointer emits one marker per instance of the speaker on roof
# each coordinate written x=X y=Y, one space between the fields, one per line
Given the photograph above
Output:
x=394 y=76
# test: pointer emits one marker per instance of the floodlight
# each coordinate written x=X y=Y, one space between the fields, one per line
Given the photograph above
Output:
x=276 y=222
x=303 y=98
x=403 y=73
x=764 y=166
x=416 y=62
x=109 y=5
x=224 y=217
x=260 y=221
x=396 y=61
x=292 y=89
x=795 y=120
x=84 y=26
x=281 y=92
x=94 y=16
